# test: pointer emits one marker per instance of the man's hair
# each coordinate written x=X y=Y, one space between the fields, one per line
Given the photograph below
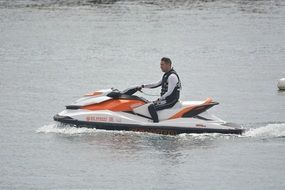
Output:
x=166 y=60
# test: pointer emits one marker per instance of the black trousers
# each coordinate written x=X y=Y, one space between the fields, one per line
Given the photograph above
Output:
x=156 y=106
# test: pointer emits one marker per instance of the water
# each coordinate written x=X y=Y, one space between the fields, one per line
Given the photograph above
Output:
x=52 y=52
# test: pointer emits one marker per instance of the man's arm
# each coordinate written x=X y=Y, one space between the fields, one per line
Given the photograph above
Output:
x=152 y=85
x=172 y=82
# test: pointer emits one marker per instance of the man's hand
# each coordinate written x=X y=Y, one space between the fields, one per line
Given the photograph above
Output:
x=157 y=101
x=140 y=87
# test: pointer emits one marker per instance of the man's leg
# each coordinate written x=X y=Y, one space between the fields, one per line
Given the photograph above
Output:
x=153 y=108
x=153 y=113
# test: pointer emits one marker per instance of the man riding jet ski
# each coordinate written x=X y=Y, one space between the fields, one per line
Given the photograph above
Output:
x=112 y=109
x=170 y=89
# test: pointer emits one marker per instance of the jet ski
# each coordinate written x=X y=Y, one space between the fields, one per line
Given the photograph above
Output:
x=112 y=109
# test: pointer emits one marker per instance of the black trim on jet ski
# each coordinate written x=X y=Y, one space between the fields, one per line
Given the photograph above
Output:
x=72 y=107
x=203 y=118
x=199 y=109
x=125 y=95
x=131 y=112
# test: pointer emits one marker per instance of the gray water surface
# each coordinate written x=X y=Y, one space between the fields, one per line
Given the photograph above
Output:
x=52 y=52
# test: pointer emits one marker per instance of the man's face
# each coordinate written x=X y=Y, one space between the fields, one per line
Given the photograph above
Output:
x=164 y=66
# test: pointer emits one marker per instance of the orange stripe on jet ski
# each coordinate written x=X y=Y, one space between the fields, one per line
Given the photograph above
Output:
x=94 y=94
x=115 y=105
x=187 y=109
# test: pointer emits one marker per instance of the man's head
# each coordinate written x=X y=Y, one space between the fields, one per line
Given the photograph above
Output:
x=165 y=64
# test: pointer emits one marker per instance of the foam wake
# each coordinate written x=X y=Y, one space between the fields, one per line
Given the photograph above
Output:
x=273 y=130
x=72 y=130
x=64 y=129
x=267 y=131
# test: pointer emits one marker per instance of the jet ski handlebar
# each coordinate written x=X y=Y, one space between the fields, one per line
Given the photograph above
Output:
x=115 y=93
x=131 y=91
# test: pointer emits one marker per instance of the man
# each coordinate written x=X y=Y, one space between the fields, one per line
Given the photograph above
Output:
x=170 y=89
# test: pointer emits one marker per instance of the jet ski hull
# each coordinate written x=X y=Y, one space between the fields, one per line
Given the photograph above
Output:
x=158 y=129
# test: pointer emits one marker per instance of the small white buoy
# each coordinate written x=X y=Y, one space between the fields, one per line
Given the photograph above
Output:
x=281 y=84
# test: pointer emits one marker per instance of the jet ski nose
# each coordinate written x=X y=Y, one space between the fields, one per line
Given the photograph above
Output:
x=61 y=118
